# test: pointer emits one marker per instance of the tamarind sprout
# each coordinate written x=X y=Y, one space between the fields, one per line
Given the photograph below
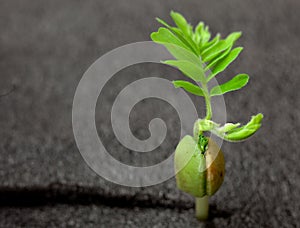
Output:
x=199 y=172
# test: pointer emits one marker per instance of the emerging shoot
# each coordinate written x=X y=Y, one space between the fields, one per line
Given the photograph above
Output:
x=201 y=57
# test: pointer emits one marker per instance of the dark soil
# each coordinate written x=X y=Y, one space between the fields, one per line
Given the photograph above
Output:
x=46 y=46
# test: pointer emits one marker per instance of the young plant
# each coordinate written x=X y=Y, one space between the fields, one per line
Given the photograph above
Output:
x=201 y=58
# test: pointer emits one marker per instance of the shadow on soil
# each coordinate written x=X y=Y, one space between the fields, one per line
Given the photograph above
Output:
x=77 y=195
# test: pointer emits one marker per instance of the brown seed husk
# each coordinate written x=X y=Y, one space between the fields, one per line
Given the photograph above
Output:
x=215 y=164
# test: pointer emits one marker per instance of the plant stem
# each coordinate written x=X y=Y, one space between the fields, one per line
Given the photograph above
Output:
x=201 y=204
x=201 y=208
x=208 y=108
x=207 y=102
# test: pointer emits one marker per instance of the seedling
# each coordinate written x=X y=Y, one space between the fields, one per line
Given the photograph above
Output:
x=201 y=58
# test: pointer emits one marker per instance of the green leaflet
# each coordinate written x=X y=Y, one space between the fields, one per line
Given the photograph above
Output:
x=197 y=37
x=211 y=43
x=176 y=32
x=175 y=46
x=236 y=83
x=255 y=120
x=224 y=62
x=181 y=23
x=189 y=87
x=219 y=57
x=164 y=36
x=246 y=131
x=203 y=33
x=187 y=40
x=191 y=70
x=233 y=37
x=183 y=54
x=210 y=53
x=242 y=133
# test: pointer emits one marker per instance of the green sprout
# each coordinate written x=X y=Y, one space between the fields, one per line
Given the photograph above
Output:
x=201 y=58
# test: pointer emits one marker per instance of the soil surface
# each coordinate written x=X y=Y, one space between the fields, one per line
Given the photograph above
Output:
x=46 y=46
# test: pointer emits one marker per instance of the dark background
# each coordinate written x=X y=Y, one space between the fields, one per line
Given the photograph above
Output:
x=46 y=46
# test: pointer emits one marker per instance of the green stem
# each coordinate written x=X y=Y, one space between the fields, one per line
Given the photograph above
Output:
x=208 y=108
x=201 y=207
x=207 y=102
x=201 y=204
